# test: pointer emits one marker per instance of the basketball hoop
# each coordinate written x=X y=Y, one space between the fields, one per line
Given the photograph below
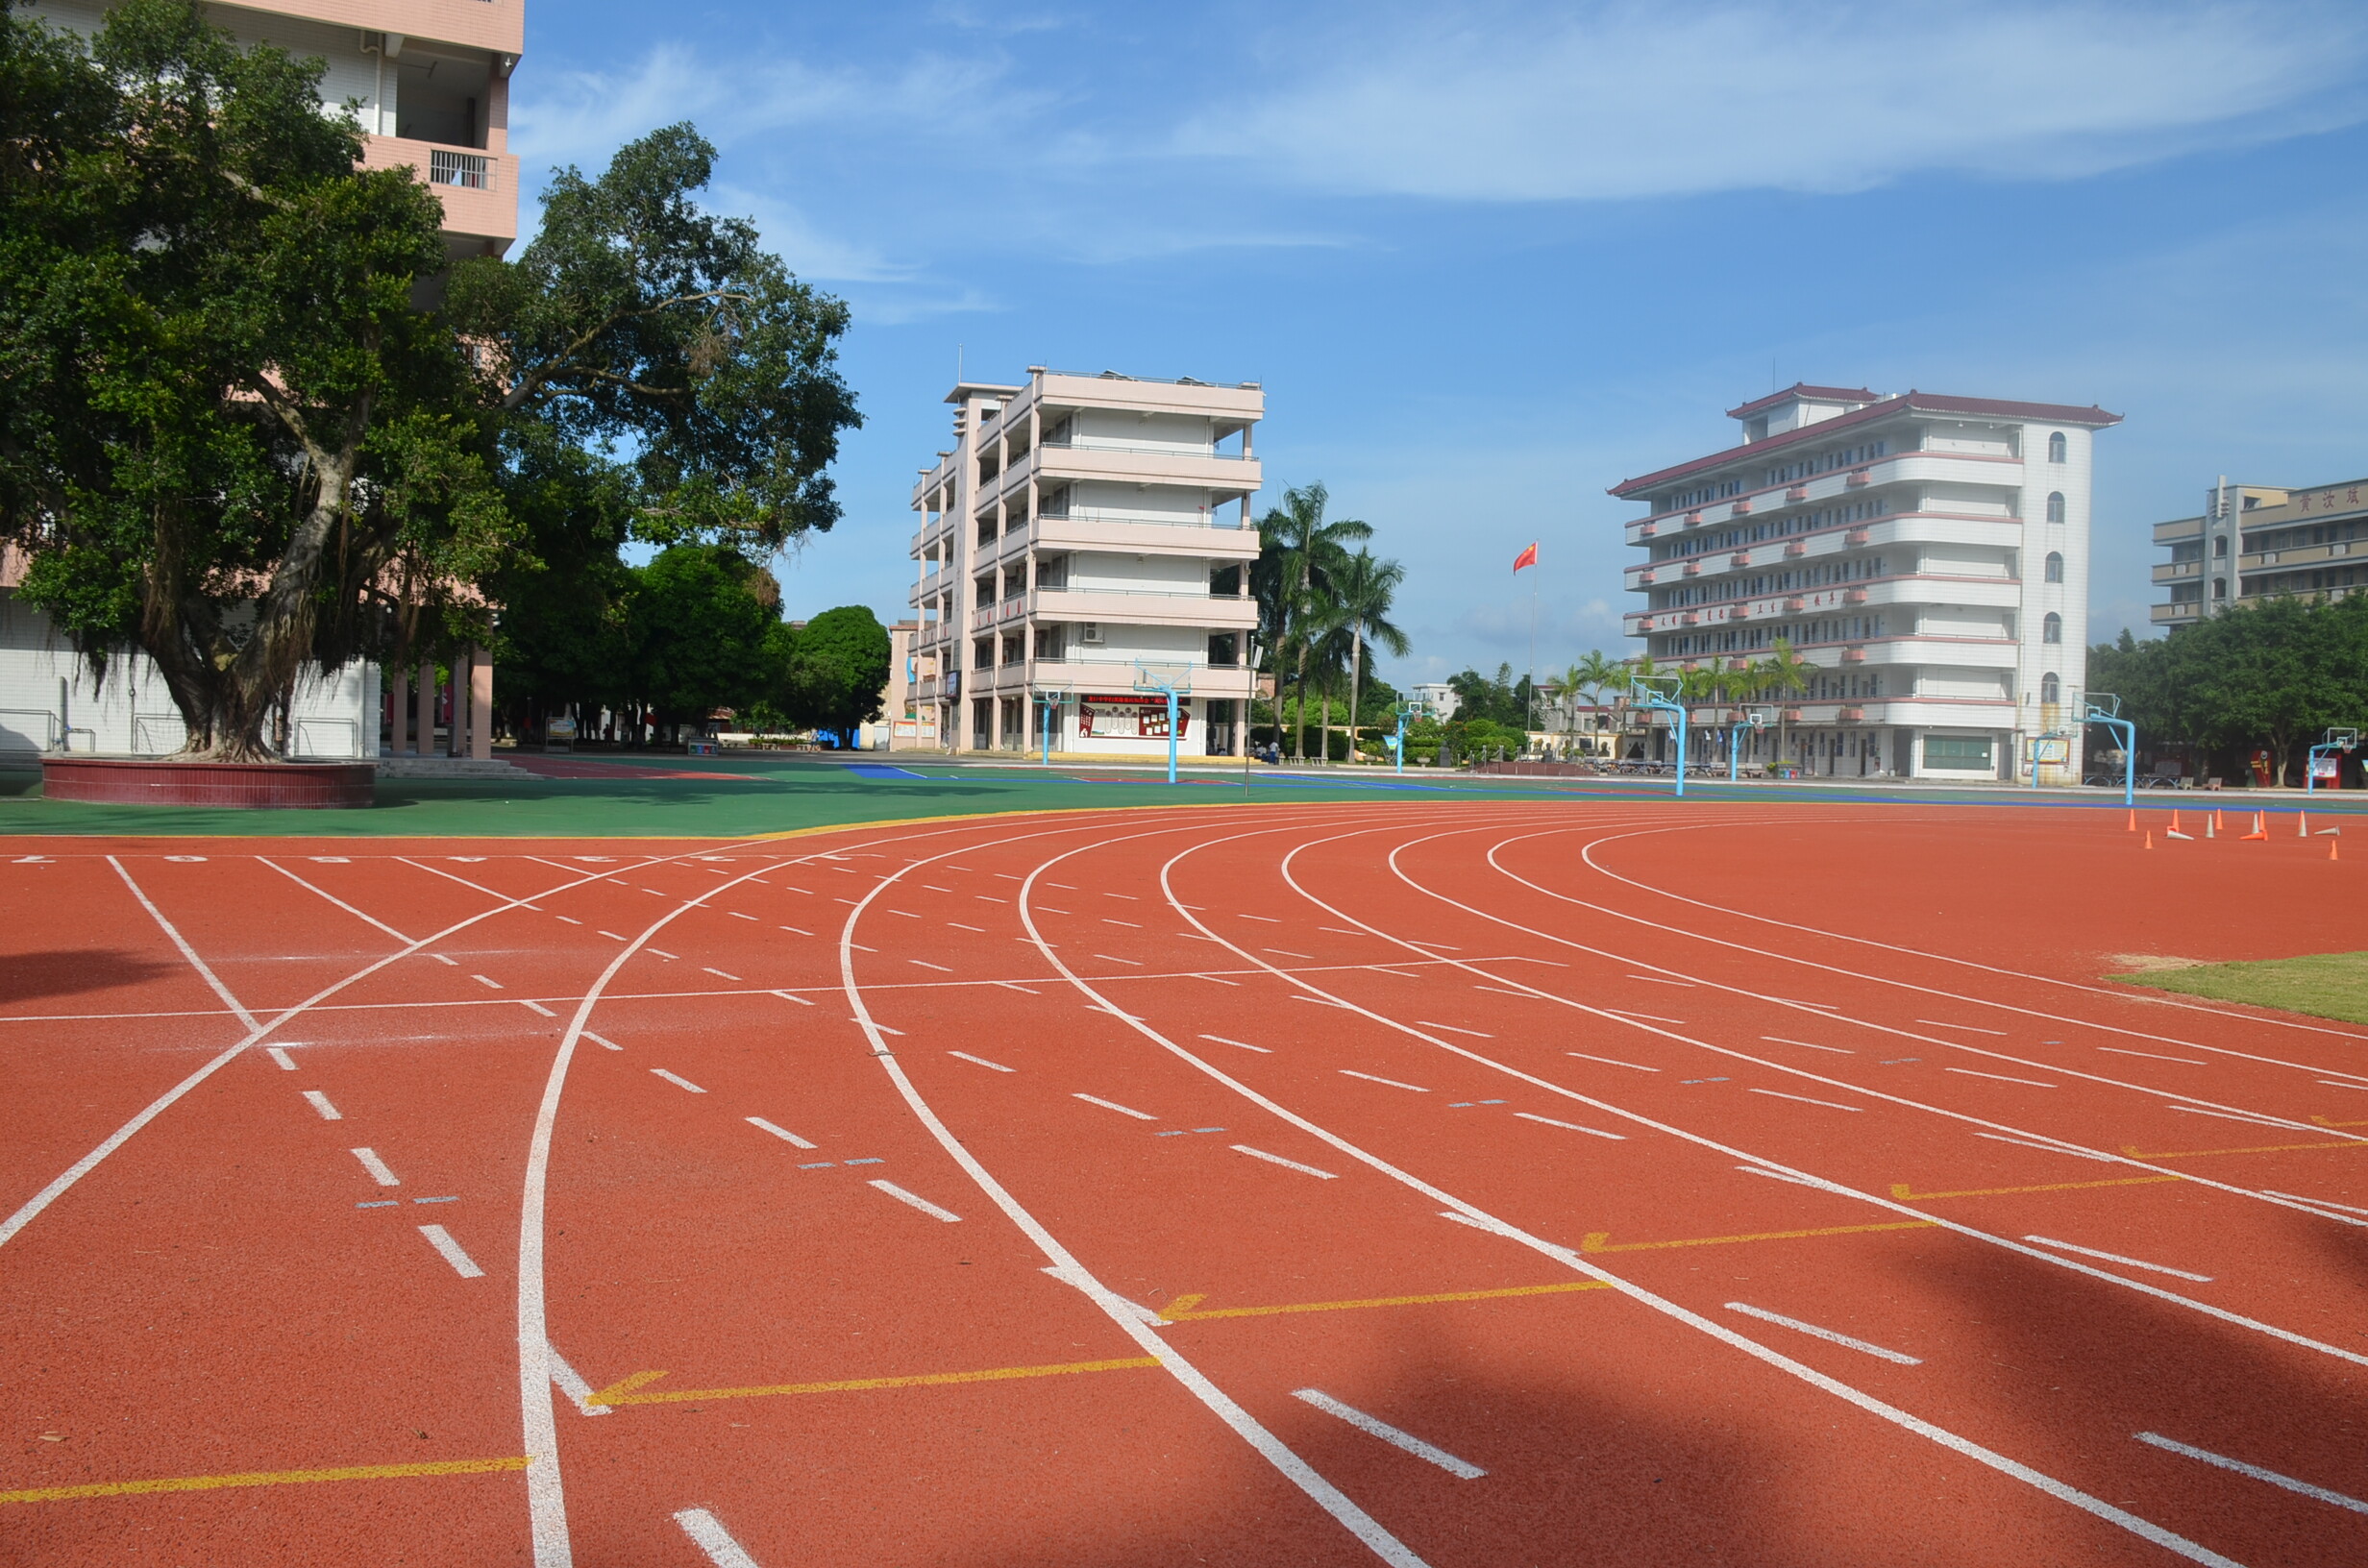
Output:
x=1174 y=682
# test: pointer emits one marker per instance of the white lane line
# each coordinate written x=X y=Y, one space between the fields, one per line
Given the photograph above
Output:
x=1269 y=919
x=1453 y=1030
x=1570 y=1126
x=1460 y=1469
x=1219 y=979
x=1351 y=1072
x=981 y=1061
x=1113 y=1105
x=287 y=1063
x=367 y=919
x=612 y=936
x=603 y=1043
x=1243 y=1044
x=570 y=1381
x=1325 y=1002
x=2329 y=1083
x=1969 y=1028
x=1286 y=952
x=2254 y=1471
x=2117 y=1258
x=1143 y=1314
x=782 y=1133
x=572 y=921
x=1780 y=1040
x=1524 y=995
x=660 y=951
x=2031 y=1083
x=711 y=969
x=1827 y=1335
x=1014 y=985
x=1650 y=1017
x=320 y=1102
x=792 y=997
x=1109 y=958
x=678 y=1080
x=376 y=1166
x=959 y=926
x=2321 y=1202
x=1278 y=1159
x=1657 y=980
x=442 y=1240
x=1132 y=925
x=2239 y=1116
x=1779 y=1093
x=791 y=929
x=448 y=963
x=708 y=1535
x=536 y=1007
x=737 y=916
x=483 y=980
x=2051 y=1148
x=212 y=980
x=1607 y=1061
x=921 y=1203
x=2154 y=1056
x=923 y=963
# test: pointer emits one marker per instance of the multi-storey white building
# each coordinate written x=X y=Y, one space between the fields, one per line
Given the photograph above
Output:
x=1927 y=555
x=432 y=78
x=2263 y=541
x=1086 y=534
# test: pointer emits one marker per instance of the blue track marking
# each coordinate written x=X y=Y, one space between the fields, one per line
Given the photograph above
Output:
x=878 y=769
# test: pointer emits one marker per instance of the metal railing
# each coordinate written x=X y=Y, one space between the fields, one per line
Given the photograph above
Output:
x=1153 y=452
x=472 y=171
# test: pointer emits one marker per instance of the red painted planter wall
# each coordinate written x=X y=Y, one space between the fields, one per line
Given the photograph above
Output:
x=127 y=782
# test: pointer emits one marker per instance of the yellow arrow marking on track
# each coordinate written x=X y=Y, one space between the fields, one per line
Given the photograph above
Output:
x=2135 y=1153
x=1601 y=1240
x=265 y=1477
x=625 y=1392
x=1901 y=1191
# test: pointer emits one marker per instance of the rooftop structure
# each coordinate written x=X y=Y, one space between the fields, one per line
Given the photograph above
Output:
x=1083 y=534
x=2263 y=541
x=1926 y=555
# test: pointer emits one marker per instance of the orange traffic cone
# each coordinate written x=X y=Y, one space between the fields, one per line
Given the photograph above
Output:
x=2134 y=819
x=2150 y=839
x=2301 y=824
x=2331 y=849
x=2174 y=818
x=2260 y=827
x=2215 y=817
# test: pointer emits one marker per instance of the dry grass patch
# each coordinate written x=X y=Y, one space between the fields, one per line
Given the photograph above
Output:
x=2323 y=985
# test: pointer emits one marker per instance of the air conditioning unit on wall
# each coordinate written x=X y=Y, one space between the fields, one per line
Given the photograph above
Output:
x=1090 y=633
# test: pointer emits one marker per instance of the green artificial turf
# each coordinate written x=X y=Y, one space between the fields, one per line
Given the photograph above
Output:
x=2324 y=985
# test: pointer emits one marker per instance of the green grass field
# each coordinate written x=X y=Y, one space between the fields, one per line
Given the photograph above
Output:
x=2324 y=985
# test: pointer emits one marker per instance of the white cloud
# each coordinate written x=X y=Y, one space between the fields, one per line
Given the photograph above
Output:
x=1631 y=101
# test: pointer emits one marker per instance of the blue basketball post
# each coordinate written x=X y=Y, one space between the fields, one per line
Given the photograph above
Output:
x=2110 y=718
x=1640 y=694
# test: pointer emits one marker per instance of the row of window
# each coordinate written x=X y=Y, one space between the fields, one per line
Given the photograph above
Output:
x=1736 y=538
x=1823 y=574
x=1825 y=462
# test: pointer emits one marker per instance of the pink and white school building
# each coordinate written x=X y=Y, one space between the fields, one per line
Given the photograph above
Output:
x=1927 y=555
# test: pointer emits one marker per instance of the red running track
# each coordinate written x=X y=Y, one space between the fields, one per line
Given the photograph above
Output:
x=1500 y=1183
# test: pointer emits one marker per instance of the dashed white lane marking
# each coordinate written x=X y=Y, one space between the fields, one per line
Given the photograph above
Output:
x=442 y=1240
x=661 y=952
x=2029 y=1083
x=1827 y=1335
x=377 y=1167
x=2254 y=1471
x=1453 y=1030
x=1650 y=1017
x=1285 y=952
x=1014 y=985
x=782 y=1133
x=1570 y=1126
x=1460 y=1469
x=1278 y=1159
x=792 y=997
x=570 y=1381
x=1351 y=1072
x=1219 y=979
x=737 y=916
x=708 y=1535
x=1133 y=925
x=1611 y=1062
x=1112 y=958
x=959 y=926
x=791 y=929
x=536 y=1007
x=1524 y=995
x=926 y=965
x=612 y=936
x=2154 y=1056
x=1805 y=1100
x=572 y=921
x=906 y=912
x=981 y=1060
x=453 y=963
x=486 y=980
x=287 y=1063
x=1969 y=1028
x=1780 y=1040
x=601 y=1041
x=917 y=1201
x=678 y=1080
x=712 y=970
x=1113 y=1105
x=2117 y=1258
x=1269 y=919
x=320 y=1102
x=1241 y=1044
x=1661 y=980
x=1326 y=1001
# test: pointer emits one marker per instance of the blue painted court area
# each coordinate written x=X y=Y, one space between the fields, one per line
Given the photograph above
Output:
x=881 y=770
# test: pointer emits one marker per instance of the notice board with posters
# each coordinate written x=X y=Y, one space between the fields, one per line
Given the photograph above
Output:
x=1130 y=717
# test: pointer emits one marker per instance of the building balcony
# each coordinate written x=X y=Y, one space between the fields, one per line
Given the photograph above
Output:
x=1796 y=494
x=1080 y=673
x=1227 y=476
x=2183 y=613
x=2178 y=571
x=479 y=188
x=1858 y=478
x=1215 y=612
x=2286 y=559
x=1953 y=467
x=1215 y=542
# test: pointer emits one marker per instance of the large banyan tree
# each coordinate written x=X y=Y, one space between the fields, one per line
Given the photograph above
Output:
x=253 y=418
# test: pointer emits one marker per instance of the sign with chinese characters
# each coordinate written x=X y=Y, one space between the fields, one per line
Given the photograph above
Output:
x=1130 y=717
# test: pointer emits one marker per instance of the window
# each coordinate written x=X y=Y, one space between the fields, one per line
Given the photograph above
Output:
x=2220 y=548
x=2219 y=587
x=2050 y=689
x=2050 y=629
x=2055 y=567
x=2056 y=448
x=2055 y=505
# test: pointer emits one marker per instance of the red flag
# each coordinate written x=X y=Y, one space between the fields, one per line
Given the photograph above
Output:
x=1527 y=558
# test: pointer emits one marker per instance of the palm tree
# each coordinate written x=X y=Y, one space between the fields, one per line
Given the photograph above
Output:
x=1785 y=675
x=1298 y=553
x=1364 y=592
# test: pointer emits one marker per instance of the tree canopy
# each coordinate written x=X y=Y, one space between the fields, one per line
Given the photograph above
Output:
x=240 y=432
x=837 y=670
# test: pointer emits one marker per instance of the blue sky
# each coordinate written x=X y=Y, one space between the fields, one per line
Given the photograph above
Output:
x=1490 y=260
